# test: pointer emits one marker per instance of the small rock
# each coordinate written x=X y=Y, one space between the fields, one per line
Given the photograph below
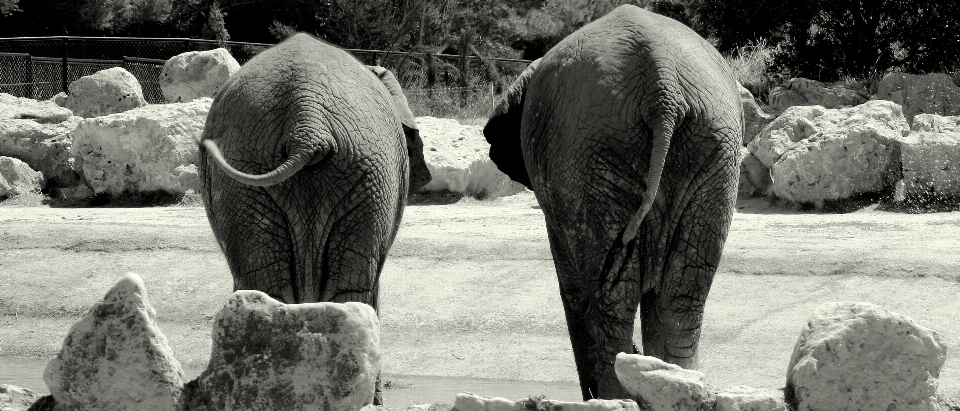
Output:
x=749 y=399
x=196 y=74
x=115 y=357
x=268 y=355
x=859 y=356
x=12 y=107
x=14 y=398
x=60 y=99
x=109 y=91
x=466 y=401
x=658 y=385
x=16 y=177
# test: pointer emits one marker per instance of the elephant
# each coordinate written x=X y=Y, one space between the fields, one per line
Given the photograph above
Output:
x=628 y=132
x=306 y=159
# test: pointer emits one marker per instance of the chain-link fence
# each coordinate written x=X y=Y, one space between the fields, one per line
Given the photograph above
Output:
x=41 y=67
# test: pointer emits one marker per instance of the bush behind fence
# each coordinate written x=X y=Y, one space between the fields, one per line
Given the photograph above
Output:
x=41 y=67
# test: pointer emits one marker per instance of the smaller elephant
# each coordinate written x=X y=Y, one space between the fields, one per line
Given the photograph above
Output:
x=305 y=163
x=628 y=131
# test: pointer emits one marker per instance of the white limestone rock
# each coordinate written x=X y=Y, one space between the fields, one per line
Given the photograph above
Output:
x=151 y=148
x=196 y=74
x=109 y=91
x=933 y=93
x=45 y=147
x=60 y=99
x=749 y=399
x=466 y=401
x=806 y=92
x=115 y=357
x=12 y=107
x=816 y=154
x=268 y=355
x=931 y=159
x=458 y=159
x=859 y=356
x=16 y=177
x=14 y=398
x=754 y=118
x=658 y=385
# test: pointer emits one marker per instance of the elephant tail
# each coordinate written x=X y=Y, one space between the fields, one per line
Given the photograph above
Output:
x=297 y=160
x=662 y=133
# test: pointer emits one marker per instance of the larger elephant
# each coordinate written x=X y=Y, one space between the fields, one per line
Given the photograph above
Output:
x=306 y=160
x=628 y=132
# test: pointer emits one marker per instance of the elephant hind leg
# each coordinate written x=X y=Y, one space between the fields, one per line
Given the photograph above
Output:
x=672 y=314
x=599 y=330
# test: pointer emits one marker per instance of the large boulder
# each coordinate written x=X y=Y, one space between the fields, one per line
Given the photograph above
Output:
x=859 y=356
x=196 y=74
x=473 y=402
x=115 y=357
x=660 y=386
x=754 y=118
x=12 y=107
x=934 y=93
x=806 y=92
x=45 y=147
x=931 y=158
x=16 y=177
x=151 y=148
x=268 y=355
x=109 y=91
x=458 y=159
x=816 y=154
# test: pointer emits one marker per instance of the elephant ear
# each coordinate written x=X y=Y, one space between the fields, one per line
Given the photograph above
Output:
x=419 y=173
x=503 y=129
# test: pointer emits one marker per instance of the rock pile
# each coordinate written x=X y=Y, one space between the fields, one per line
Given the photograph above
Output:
x=16 y=177
x=266 y=356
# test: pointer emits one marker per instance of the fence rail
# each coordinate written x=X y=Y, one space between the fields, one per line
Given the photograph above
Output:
x=41 y=67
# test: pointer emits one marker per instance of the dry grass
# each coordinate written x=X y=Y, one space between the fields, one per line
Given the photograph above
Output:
x=751 y=64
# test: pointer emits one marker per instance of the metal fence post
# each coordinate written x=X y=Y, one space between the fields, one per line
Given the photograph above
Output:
x=32 y=88
x=63 y=78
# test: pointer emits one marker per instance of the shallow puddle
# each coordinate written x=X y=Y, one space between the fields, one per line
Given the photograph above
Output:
x=410 y=389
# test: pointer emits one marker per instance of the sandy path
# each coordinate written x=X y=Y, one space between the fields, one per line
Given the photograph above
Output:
x=469 y=289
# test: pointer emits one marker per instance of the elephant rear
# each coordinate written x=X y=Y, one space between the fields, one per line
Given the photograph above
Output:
x=629 y=133
x=321 y=232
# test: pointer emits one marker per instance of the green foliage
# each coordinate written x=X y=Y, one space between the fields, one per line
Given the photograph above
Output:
x=828 y=39
x=8 y=7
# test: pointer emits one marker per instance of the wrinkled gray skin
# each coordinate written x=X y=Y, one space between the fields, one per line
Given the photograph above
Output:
x=306 y=159
x=628 y=133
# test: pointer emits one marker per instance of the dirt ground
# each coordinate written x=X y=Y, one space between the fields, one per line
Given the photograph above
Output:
x=469 y=289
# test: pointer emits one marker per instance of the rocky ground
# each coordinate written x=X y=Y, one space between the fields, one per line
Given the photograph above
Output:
x=469 y=289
